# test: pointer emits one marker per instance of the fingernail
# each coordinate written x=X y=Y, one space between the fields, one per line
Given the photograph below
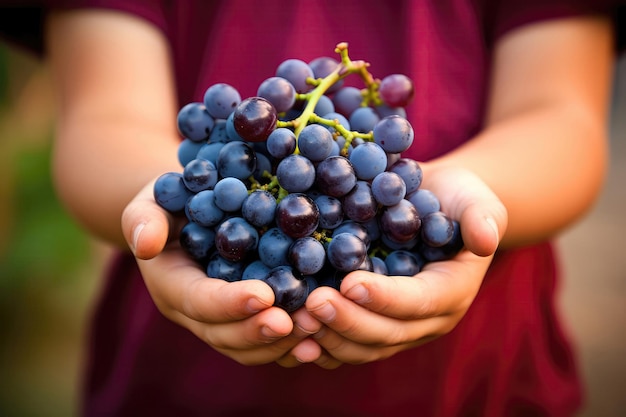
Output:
x=269 y=334
x=255 y=305
x=325 y=312
x=320 y=333
x=359 y=294
x=304 y=332
x=494 y=226
x=136 y=234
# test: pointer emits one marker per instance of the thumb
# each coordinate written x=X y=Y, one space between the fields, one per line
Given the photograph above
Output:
x=483 y=224
x=146 y=226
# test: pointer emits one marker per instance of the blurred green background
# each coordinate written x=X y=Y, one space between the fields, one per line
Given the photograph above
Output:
x=50 y=268
x=48 y=265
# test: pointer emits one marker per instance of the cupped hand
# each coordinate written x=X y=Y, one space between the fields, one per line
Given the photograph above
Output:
x=237 y=319
x=374 y=317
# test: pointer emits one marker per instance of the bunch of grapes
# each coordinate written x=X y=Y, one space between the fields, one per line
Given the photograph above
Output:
x=305 y=182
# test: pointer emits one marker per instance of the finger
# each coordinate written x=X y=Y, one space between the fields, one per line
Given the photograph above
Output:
x=177 y=284
x=306 y=351
x=482 y=226
x=481 y=214
x=268 y=329
x=327 y=361
x=145 y=225
x=442 y=288
x=364 y=326
x=263 y=354
x=341 y=350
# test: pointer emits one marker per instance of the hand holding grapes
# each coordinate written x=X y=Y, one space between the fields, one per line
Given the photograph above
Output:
x=314 y=203
x=375 y=317
x=236 y=319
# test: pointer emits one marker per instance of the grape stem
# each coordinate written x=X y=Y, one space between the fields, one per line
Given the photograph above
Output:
x=272 y=186
x=344 y=69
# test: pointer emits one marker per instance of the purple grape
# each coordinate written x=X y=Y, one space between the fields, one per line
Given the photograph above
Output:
x=395 y=245
x=383 y=111
x=307 y=255
x=410 y=171
x=210 y=151
x=322 y=67
x=221 y=268
x=346 y=252
x=230 y=194
x=259 y=208
x=236 y=239
x=197 y=241
x=315 y=142
x=359 y=204
x=255 y=270
x=396 y=90
x=388 y=188
x=357 y=229
x=278 y=91
x=366 y=265
x=281 y=143
x=425 y=202
x=347 y=100
x=273 y=247
x=295 y=173
x=200 y=174
x=221 y=100
x=263 y=166
x=254 y=119
x=218 y=134
x=331 y=211
x=379 y=266
x=401 y=222
x=236 y=159
x=403 y=263
x=324 y=106
x=447 y=251
x=170 y=192
x=296 y=72
x=330 y=277
x=297 y=215
x=368 y=160
x=363 y=119
x=188 y=150
x=394 y=134
x=194 y=122
x=335 y=176
x=437 y=229
x=290 y=288
x=231 y=134
x=201 y=208
x=373 y=229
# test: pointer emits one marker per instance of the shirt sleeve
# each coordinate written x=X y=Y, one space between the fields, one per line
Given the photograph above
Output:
x=501 y=17
x=31 y=14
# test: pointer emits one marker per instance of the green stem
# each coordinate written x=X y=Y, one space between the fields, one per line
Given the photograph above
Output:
x=345 y=68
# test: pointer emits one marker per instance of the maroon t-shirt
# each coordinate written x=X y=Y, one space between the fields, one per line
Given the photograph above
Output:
x=507 y=357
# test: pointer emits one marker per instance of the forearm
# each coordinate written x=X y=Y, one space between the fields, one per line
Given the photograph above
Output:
x=99 y=166
x=546 y=165
x=544 y=148
x=116 y=124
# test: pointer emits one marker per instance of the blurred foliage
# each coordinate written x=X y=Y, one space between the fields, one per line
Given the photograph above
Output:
x=45 y=243
x=47 y=264
x=4 y=73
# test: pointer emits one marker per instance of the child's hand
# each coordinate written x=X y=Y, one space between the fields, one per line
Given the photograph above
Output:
x=237 y=319
x=375 y=316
